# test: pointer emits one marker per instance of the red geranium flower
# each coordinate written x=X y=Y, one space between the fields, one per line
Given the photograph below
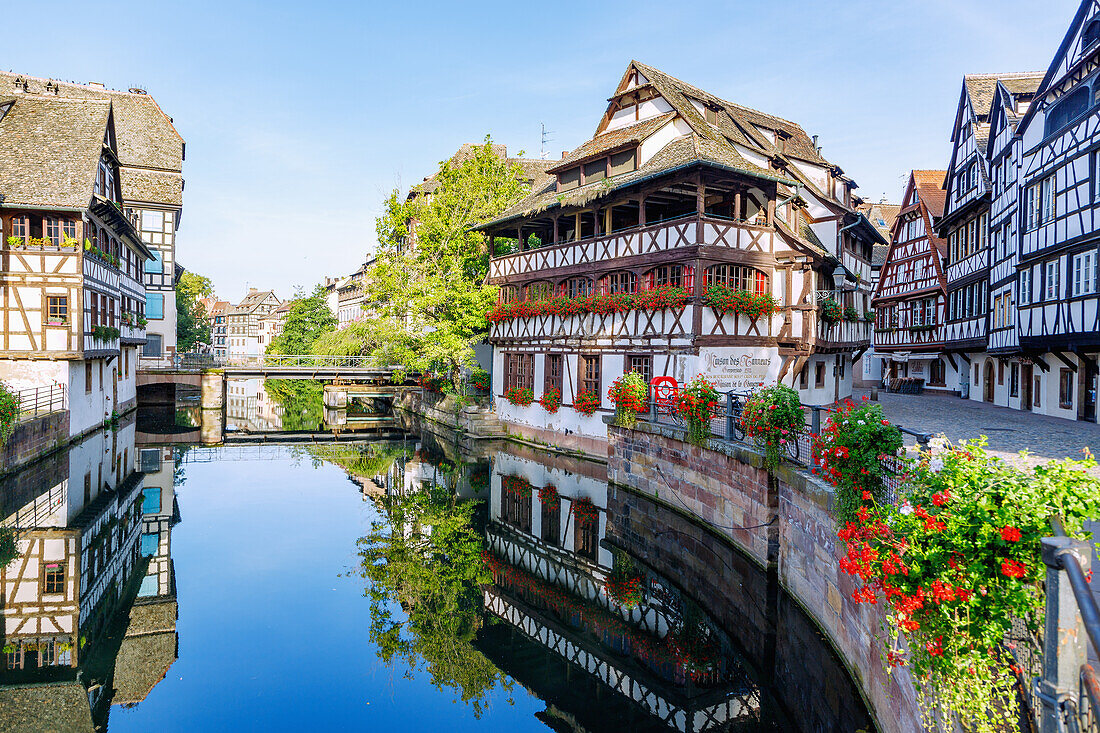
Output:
x=1010 y=534
x=1013 y=569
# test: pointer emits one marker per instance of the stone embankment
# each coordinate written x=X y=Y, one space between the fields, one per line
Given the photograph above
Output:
x=784 y=523
x=474 y=420
x=33 y=438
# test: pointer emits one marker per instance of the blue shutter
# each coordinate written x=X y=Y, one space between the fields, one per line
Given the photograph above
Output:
x=154 y=306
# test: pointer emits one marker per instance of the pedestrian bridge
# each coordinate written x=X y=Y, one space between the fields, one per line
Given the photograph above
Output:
x=271 y=366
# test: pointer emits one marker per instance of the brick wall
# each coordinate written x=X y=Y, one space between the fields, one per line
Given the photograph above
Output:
x=726 y=488
x=34 y=438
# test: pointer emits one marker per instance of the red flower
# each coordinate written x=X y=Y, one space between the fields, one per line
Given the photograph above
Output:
x=935 y=648
x=1013 y=569
x=867 y=495
x=1010 y=534
x=885 y=422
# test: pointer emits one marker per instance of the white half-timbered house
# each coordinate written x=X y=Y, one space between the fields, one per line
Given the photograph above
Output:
x=1058 y=316
x=150 y=154
x=681 y=188
x=910 y=295
x=72 y=294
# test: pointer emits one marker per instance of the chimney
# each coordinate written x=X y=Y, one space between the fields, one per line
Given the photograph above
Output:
x=564 y=153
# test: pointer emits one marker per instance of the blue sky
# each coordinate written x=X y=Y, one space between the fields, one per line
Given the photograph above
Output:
x=300 y=116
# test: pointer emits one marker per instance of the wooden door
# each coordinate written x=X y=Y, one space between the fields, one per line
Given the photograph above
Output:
x=1086 y=405
x=1027 y=378
x=988 y=396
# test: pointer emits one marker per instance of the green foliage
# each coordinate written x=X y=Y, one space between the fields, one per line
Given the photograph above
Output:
x=424 y=570
x=774 y=416
x=309 y=318
x=696 y=404
x=8 y=548
x=9 y=412
x=357 y=338
x=955 y=563
x=427 y=288
x=728 y=300
x=628 y=394
x=855 y=452
x=192 y=321
x=300 y=401
x=830 y=311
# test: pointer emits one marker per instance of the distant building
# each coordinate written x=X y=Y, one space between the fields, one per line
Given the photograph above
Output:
x=150 y=154
x=243 y=322
x=271 y=325
x=216 y=311
x=868 y=368
x=73 y=265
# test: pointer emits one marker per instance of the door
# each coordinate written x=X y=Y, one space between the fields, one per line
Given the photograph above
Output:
x=114 y=388
x=1026 y=380
x=1087 y=402
x=988 y=396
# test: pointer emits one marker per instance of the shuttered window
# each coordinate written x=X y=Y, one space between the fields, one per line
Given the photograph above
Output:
x=519 y=371
x=595 y=171
x=553 y=376
x=590 y=375
x=623 y=162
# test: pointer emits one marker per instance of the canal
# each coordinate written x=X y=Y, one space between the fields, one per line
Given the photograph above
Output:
x=394 y=576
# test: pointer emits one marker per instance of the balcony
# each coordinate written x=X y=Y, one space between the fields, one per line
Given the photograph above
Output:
x=687 y=231
x=132 y=328
x=102 y=338
x=846 y=333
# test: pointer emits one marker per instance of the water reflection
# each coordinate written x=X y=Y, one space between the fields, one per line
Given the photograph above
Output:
x=512 y=581
x=89 y=601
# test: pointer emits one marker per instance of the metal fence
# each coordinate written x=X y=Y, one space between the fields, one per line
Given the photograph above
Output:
x=725 y=424
x=39 y=400
x=266 y=361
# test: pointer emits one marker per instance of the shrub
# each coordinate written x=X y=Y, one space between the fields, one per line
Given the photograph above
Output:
x=955 y=563
x=856 y=450
x=696 y=404
x=551 y=399
x=519 y=396
x=479 y=379
x=628 y=394
x=586 y=403
x=830 y=310
x=727 y=300
x=9 y=412
x=774 y=417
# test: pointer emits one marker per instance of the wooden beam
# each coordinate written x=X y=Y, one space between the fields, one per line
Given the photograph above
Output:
x=1066 y=360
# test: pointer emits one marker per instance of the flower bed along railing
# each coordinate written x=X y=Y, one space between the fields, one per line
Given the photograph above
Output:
x=742 y=302
x=659 y=298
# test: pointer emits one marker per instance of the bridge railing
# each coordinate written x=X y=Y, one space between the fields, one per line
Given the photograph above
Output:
x=186 y=362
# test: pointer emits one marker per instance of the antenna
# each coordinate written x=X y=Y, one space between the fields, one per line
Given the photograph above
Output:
x=545 y=139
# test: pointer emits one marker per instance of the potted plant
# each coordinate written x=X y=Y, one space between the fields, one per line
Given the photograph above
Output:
x=551 y=399
x=850 y=313
x=696 y=404
x=830 y=310
x=850 y=453
x=773 y=416
x=586 y=402
x=519 y=396
x=628 y=393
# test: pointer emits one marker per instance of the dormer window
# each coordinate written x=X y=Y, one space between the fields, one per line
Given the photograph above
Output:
x=1068 y=109
x=711 y=115
x=1091 y=34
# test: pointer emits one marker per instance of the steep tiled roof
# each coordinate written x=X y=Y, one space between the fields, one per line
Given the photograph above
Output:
x=930 y=188
x=252 y=301
x=612 y=139
x=50 y=150
x=64 y=704
x=981 y=87
x=881 y=215
x=147 y=651
x=147 y=138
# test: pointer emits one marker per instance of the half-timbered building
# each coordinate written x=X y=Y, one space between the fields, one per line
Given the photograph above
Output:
x=150 y=154
x=965 y=226
x=882 y=214
x=680 y=188
x=72 y=264
x=910 y=294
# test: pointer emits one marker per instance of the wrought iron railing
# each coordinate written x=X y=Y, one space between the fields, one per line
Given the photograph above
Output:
x=261 y=361
x=39 y=400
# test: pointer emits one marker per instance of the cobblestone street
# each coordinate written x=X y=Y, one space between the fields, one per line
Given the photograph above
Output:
x=1009 y=431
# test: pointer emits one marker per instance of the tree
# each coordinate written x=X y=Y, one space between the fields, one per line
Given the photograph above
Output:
x=192 y=320
x=308 y=318
x=427 y=287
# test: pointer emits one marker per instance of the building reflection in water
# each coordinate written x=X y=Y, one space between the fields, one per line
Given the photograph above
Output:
x=79 y=610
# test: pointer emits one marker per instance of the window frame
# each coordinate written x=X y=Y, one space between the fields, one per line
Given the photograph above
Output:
x=1065 y=389
x=57 y=310
x=589 y=380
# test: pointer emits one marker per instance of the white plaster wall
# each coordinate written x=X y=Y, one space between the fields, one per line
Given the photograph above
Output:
x=817 y=175
x=668 y=132
x=753 y=157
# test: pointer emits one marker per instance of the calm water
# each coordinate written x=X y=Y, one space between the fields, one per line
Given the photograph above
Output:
x=355 y=585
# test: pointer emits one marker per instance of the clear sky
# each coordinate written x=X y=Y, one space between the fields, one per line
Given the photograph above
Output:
x=301 y=116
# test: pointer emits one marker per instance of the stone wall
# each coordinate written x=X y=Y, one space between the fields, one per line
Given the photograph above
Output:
x=476 y=420
x=785 y=525
x=33 y=438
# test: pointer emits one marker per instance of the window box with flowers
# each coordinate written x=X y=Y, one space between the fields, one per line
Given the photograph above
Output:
x=868 y=315
x=660 y=298
x=742 y=302
x=696 y=404
x=623 y=584
x=850 y=313
x=830 y=311
x=774 y=418
x=519 y=396
x=105 y=333
x=628 y=394
x=586 y=403
x=551 y=399
x=955 y=563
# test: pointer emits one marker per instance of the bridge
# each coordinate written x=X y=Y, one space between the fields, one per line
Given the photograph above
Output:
x=271 y=366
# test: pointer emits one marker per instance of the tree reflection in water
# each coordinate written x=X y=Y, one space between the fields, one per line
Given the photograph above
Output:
x=425 y=555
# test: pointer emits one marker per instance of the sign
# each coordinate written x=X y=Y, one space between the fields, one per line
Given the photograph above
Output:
x=739 y=369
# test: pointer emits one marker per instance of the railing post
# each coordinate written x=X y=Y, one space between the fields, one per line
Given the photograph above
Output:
x=815 y=420
x=1064 y=635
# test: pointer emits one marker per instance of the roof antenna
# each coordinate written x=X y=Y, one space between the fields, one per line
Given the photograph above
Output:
x=545 y=139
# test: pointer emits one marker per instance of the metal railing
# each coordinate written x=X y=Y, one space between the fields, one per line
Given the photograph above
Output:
x=39 y=400
x=261 y=361
x=726 y=425
x=1066 y=695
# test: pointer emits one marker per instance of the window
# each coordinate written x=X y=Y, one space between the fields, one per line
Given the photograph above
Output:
x=57 y=309
x=538 y=291
x=551 y=523
x=804 y=376
x=1046 y=193
x=937 y=373
x=508 y=294
x=20 y=227
x=590 y=375
x=552 y=376
x=154 y=306
x=1037 y=390
x=819 y=374
x=1025 y=287
x=1065 y=389
x=53 y=579
x=152 y=221
x=738 y=278
x=1000 y=373
x=672 y=275
x=516 y=508
x=150 y=503
x=53 y=229
x=1014 y=380
x=1052 y=281
x=1084 y=273
x=1068 y=109
x=619 y=282
x=586 y=536
x=155 y=265
x=87 y=377
x=519 y=371
x=577 y=287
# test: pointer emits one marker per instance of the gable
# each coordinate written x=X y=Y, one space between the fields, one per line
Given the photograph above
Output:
x=1082 y=40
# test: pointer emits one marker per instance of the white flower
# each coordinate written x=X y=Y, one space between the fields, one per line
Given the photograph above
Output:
x=905 y=508
x=936 y=464
x=861 y=422
x=938 y=443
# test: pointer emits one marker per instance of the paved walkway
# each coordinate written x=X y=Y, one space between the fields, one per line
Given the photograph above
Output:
x=1009 y=431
